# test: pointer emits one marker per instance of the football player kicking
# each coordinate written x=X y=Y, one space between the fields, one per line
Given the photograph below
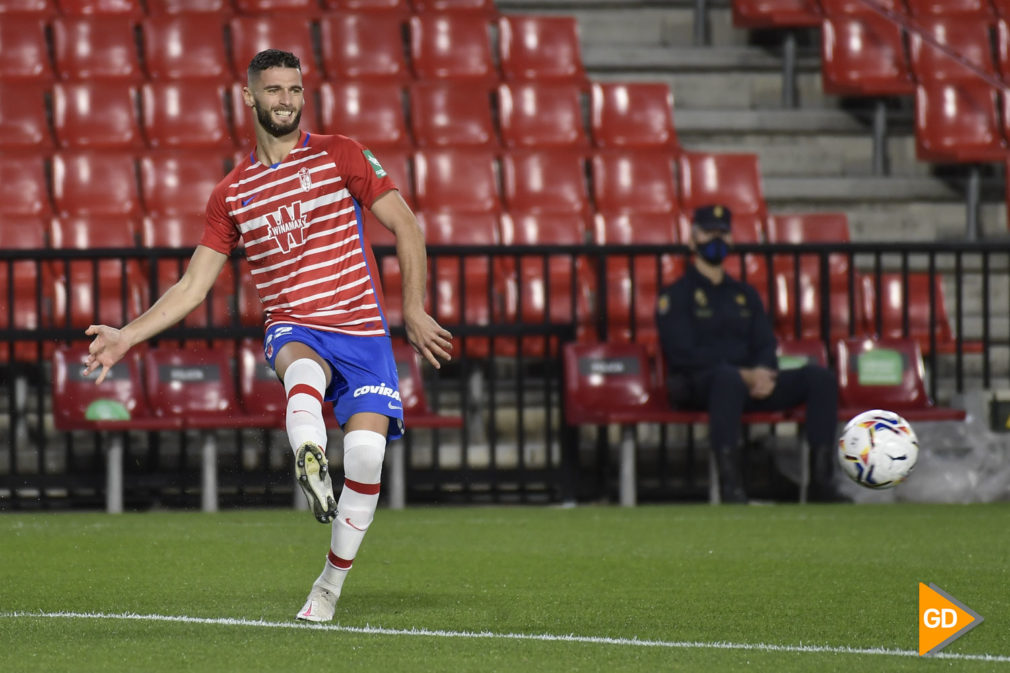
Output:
x=295 y=204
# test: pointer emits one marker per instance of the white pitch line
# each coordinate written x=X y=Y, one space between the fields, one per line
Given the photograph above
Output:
x=547 y=637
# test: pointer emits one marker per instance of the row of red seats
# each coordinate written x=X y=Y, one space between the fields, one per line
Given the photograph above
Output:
x=204 y=115
x=542 y=181
x=168 y=388
x=449 y=45
x=502 y=289
x=138 y=8
x=960 y=117
x=608 y=383
x=809 y=13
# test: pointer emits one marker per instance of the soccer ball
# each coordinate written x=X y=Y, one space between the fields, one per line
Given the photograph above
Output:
x=878 y=449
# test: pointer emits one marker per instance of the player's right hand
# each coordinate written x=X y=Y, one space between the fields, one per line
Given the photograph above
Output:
x=106 y=349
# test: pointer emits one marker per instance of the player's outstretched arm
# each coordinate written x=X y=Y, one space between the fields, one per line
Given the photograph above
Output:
x=427 y=337
x=110 y=344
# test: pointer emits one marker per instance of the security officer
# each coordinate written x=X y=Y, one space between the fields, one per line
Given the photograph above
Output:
x=720 y=354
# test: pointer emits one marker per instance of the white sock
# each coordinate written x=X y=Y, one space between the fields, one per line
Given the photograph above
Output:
x=363 y=454
x=304 y=383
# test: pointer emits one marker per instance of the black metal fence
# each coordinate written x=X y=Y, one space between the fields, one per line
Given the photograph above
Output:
x=510 y=309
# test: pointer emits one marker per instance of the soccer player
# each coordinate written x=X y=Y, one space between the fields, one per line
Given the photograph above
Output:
x=295 y=205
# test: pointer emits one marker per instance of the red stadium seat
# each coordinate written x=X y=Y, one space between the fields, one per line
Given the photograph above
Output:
x=25 y=54
x=895 y=300
x=96 y=47
x=242 y=117
x=288 y=32
x=864 y=55
x=179 y=183
x=86 y=183
x=611 y=383
x=131 y=8
x=370 y=112
x=733 y=180
x=23 y=122
x=74 y=393
x=964 y=35
x=185 y=115
x=633 y=115
x=485 y=7
x=171 y=231
x=545 y=181
x=392 y=7
x=979 y=10
x=634 y=281
x=96 y=115
x=799 y=302
x=776 y=13
x=958 y=122
x=1003 y=47
x=635 y=181
x=187 y=46
x=439 y=176
x=541 y=48
x=443 y=114
x=120 y=293
x=357 y=46
x=23 y=188
x=207 y=8
x=467 y=291
x=450 y=45
x=838 y=7
x=288 y=7
x=886 y=374
x=536 y=114
x=195 y=384
x=798 y=228
x=31 y=286
x=41 y=9
x=556 y=290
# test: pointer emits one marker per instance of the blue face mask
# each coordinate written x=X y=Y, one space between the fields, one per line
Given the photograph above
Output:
x=714 y=251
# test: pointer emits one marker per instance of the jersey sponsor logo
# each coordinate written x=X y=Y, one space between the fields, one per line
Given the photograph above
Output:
x=381 y=389
x=305 y=179
x=380 y=172
x=287 y=226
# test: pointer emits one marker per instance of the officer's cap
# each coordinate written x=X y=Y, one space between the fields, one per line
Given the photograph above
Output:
x=712 y=218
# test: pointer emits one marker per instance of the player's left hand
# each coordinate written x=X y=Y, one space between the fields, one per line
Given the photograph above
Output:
x=428 y=338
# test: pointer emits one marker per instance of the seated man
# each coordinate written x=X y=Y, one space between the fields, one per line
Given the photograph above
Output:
x=720 y=354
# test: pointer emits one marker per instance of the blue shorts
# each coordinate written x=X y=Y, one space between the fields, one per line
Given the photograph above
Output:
x=363 y=371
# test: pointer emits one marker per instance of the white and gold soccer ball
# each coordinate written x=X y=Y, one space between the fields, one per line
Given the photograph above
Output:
x=878 y=449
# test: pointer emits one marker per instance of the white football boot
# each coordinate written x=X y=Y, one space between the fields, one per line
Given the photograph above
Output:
x=319 y=606
x=313 y=475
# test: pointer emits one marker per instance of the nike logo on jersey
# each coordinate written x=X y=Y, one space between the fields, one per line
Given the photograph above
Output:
x=246 y=202
x=395 y=407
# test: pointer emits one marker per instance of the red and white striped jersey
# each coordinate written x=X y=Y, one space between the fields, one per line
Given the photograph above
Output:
x=301 y=223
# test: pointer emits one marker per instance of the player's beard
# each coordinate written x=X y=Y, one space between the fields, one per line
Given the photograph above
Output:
x=274 y=129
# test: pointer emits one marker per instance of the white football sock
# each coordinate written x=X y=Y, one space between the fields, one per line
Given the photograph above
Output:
x=304 y=383
x=363 y=454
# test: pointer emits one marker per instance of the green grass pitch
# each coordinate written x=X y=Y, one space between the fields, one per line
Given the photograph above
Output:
x=655 y=588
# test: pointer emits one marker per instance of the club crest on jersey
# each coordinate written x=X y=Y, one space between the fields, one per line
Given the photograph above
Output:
x=287 y=226
x=305 y=178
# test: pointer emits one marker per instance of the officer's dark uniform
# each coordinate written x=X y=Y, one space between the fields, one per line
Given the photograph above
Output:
x=709 y=332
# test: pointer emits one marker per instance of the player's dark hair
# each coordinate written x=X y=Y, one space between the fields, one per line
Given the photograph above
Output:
x=273 y=58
